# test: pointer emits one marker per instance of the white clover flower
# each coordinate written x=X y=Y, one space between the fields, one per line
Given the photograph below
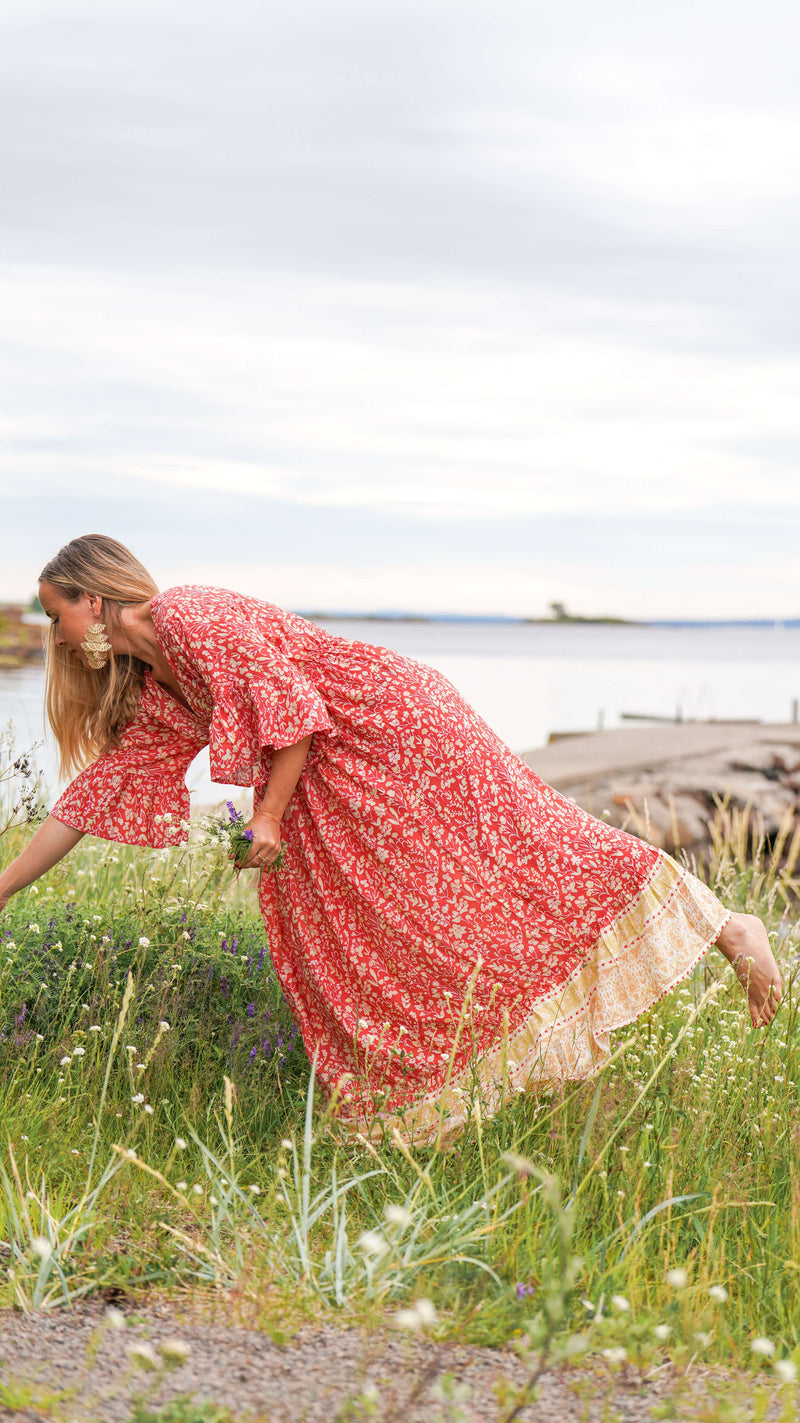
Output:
x=115 y=1318
x=718 y=1293
x=763 y=1346
x=79 y=1052
x=164 y=1026
x=286 y=1144
x=198 y=1190
x=149 y=1110
x=398 y=1215
x=65 y=1061
x=95 y=1028
x=213 y=1201
x=372 y=1243
x=662 y=1331
x=620 y=1303
x=144 y=942
x=175 y=1350
x=39 y=1039
x=255 y=1189
x=677 y=1278
x=786 y=1370
x=180 y=1143
x=615 y=1356
x=186 y=935
x=41 y=1247
x=34 y=928
x=144 y=1355
x=11 y=944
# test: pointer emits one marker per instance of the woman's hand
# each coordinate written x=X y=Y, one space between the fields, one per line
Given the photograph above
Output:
x=266 y=845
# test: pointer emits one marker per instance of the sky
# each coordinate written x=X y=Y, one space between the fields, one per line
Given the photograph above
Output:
x=407 y=304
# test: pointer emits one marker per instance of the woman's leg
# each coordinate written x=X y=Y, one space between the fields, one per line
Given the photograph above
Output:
x=745 y=944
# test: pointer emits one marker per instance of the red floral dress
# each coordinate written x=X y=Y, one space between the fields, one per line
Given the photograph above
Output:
x=445 y=923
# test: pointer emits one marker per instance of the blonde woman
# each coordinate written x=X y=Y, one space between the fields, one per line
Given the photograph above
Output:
x=442 y=915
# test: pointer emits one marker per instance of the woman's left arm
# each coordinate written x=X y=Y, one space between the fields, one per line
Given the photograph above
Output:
x=287 y=765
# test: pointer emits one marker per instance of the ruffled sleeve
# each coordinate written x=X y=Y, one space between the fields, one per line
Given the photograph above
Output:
x=261 y=698
x=136 y=793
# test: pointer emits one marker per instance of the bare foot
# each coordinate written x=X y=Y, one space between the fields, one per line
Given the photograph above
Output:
x=745 y=944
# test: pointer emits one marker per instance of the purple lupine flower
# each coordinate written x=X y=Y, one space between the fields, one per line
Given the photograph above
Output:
x=251 y=1008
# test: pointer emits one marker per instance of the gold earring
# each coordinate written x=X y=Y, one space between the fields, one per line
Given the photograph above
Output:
x=96 y=645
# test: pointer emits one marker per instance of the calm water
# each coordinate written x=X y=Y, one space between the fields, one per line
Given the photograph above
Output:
x=530 y=680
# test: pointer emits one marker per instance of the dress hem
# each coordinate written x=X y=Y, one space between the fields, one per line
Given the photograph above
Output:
x=636 y=960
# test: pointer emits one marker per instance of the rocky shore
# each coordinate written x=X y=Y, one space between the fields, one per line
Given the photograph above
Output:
x=666 y=784
x=20 y=638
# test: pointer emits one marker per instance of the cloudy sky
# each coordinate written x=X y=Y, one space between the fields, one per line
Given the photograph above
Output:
x=459 y=305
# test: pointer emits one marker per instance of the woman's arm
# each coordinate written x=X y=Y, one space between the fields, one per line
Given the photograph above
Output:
x=52 y=841
x=287 y=764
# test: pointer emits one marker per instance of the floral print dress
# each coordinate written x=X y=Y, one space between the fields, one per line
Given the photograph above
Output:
x=444 y=922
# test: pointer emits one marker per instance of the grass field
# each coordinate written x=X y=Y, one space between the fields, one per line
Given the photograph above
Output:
x=161 y=1130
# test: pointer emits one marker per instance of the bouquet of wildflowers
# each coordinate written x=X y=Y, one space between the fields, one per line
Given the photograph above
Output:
x=237 y=840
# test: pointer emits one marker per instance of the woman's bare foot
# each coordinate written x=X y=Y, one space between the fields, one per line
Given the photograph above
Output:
x=745 y=944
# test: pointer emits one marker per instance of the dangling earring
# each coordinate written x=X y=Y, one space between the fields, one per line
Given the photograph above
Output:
x=96 y=645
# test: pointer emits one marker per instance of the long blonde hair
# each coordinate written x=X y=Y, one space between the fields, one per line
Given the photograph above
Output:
x=88 y=709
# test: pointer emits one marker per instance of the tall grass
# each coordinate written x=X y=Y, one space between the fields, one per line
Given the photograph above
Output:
x=182 y=1140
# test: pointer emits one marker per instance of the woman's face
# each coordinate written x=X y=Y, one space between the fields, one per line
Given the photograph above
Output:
x=72 y=620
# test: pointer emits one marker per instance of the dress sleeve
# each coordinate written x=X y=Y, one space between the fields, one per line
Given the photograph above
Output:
x=262 y=699
x=135 y=793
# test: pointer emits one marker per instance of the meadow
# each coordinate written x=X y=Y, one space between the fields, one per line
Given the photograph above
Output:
x=161 y=1132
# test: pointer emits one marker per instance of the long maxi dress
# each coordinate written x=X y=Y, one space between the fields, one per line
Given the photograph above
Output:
x=444 y=922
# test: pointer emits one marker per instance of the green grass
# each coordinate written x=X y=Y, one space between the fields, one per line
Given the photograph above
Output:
x=684 y=1154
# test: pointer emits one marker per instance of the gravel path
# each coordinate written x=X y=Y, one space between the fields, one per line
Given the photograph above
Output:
x=307 y=1380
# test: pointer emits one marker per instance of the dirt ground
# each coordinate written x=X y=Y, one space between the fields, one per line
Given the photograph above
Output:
x=75 y=1367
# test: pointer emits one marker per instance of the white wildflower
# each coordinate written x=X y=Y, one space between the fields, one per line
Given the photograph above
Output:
x=615 y=1356
x=149 y=1110
x=619 y=1302
x=398 y=1215
x=180 y=1143
x=662 y=1331
x=115 y=1318
x=372 y=1243
x=79 y=1052
x=164 y=1026
x=144 y=942
x=130 y=1048
x=95 y=1028
x=65 y=1061
x=786 y=1370
x=34 y=928
x=718 y=1293
x=198 y=1190
x=175 y=1350
x=41 y=1247
x=763 y=1346
x=420 y=1315
x=256 y=1190
x=702 y=1338
x=139 y=1097
x=677 y=1278
x=144 y=1355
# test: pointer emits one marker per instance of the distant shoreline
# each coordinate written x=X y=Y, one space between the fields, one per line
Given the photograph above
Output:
x=508 y=621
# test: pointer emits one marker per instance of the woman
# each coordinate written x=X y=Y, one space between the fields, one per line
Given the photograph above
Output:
x=443 y=918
